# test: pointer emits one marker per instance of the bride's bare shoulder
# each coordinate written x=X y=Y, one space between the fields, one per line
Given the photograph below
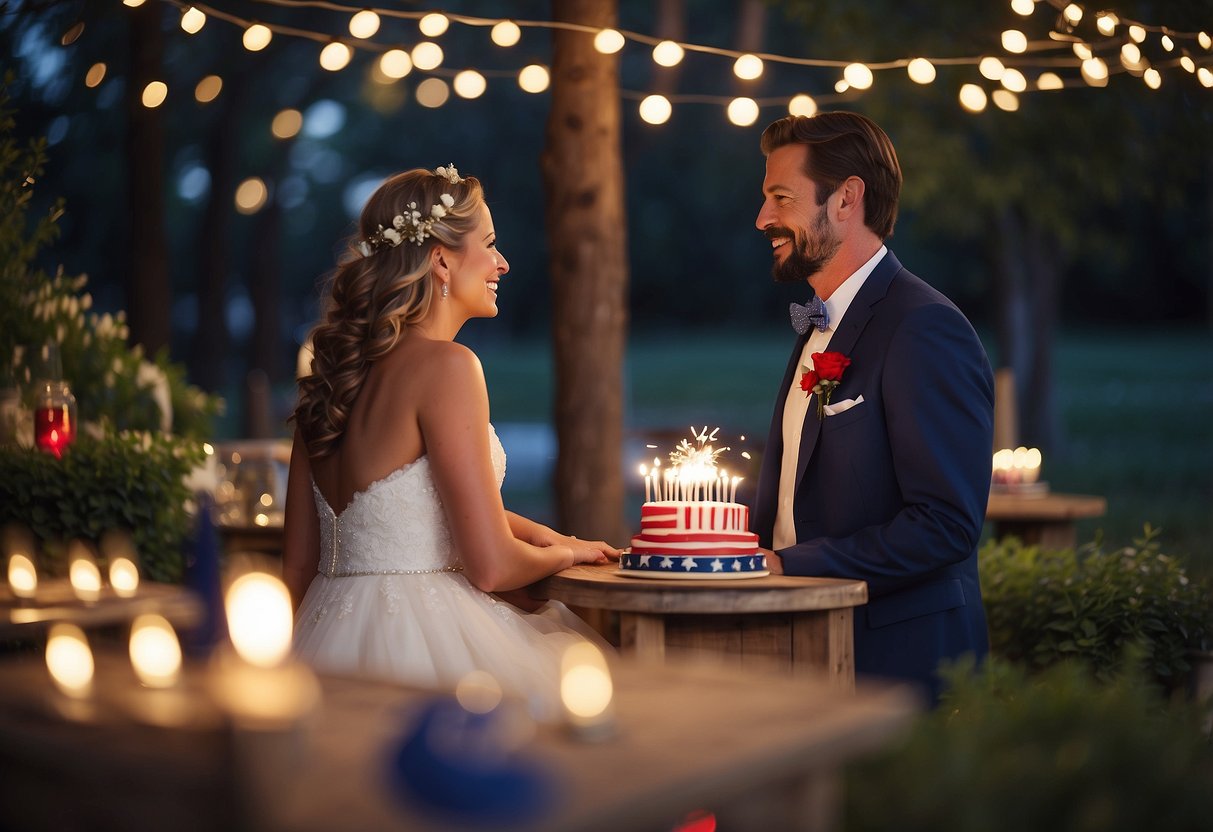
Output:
x=436 y=366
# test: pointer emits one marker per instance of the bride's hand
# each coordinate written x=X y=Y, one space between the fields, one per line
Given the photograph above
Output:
x=584 y=551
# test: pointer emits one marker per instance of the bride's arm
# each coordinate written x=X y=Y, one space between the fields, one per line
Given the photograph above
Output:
x=454 y=418
x=301 y=526
x=534 y=532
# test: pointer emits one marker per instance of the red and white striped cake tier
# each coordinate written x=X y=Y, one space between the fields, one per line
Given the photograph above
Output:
x=694 y=528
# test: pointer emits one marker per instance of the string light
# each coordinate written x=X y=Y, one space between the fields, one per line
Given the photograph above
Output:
x=858 y=76
x=334 y=56
x=1152 y=78
x=1204 y=76
x=1106 y=23
x=609 y=41
x=134 y=4
x=1012 y=79
x=668 y=53
x=1005 y=100
x=972 y=98
x=433 y=24
x=921 y=71
x=743 y=111
x=1095 y=72
x=656 y=109
x=154 y=94
x=257 y=37
x=1015 y=41
x=427 y=55
x=1083 y=52
x=1130 y=55
x=1204 y=40
x=534 y=78
x=193 y=20
x=395 y=63
x=433 y=93
x=802 y=105
x=469 y=84
x=1137 y=34
x=506 y=33
x=1024 y=8
x=1187 y=63
x=287 y=124
x=991 y=68
x=95 y=75
x=748 y=67
x=1072 y=13
x=251 y=195
x=1049 y=81
x=208 y=89
x=1167 y=43
x=841 y=86
x=364 y=24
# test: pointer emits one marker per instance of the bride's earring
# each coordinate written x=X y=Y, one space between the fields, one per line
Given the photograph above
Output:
x=446 y=289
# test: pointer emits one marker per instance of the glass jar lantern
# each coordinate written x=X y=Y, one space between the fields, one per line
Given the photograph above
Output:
x=54 y=406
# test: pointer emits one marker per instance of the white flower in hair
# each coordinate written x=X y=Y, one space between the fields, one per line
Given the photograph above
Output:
x=408 y=226
x=449 y=173
x=448 y=200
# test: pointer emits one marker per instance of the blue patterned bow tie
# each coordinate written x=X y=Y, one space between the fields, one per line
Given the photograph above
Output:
x=812 y=313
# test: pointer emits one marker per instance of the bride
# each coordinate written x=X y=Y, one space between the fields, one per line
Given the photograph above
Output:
x=394 y=522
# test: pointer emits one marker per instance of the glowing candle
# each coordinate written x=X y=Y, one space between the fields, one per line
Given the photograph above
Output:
x=124 y=577
x=644 y=472
x=155 y=651
x=586 y=692
x=83 y=573
x=22 y=575
x=69 y=660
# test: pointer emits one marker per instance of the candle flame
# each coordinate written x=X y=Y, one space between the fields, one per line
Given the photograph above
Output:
x=155 y=651
x=69 y=659
x=259 y=618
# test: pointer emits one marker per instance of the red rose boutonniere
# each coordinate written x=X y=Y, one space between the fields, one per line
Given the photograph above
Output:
x=824 y=377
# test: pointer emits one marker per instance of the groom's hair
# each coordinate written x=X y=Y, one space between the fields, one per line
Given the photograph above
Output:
x=843 y=144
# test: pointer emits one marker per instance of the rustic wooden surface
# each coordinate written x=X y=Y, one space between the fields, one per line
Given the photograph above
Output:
x=1047 y=520
x=56 y=602
x=762 y=752
x=786 y=624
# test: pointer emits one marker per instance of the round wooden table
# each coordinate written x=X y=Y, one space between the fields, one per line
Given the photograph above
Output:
x=803 y=625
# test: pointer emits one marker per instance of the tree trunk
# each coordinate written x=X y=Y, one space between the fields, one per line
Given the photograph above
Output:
x=583 y=183
x=148 y=290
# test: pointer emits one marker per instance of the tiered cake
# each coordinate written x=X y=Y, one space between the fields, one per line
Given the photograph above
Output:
x=693 y=530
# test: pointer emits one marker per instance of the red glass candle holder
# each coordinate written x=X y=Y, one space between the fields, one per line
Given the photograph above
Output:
x=54 y=418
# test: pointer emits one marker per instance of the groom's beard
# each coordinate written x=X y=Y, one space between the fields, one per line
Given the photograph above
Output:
x=809 y=254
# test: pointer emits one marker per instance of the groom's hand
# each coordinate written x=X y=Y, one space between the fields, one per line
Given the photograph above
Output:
x=774 y=562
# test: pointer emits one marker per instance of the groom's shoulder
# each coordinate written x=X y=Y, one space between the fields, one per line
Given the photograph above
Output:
x=908 y=291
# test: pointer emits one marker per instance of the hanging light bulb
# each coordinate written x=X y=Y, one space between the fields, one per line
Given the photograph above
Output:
x=193 y=20
x=1152 y=78
x=1013 y=80
x=802 y=105
x=334 y=56
x=991 y=68
x=743 y=111
x=748 y=67
x=433 y=92
x=1106 y=22
x=1005 y=100
x=534 y=78
x=668 y=53
x=656 y=109
x=427 y=55
x=858 y=76
x=972 y=98
x=1095 y=72
x=364 y=24
x=1015 y=41
x=1082 y=51
x=257 y=37
x=1167 y=43
x=608 y=41
x=395 y=63
x=1204 y=40
x=1204 y=76
x=506 y=33
x=1137 y=34
x=921 y=71
x=469 y=84
x=1130 y=55
x=1023 y=8
x=1049 y=81
x=154 y=94
x=1187 y=63
x=433 y=24
x=1072 y=13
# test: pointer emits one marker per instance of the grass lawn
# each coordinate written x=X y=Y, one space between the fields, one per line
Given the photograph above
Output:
x=1137 y=416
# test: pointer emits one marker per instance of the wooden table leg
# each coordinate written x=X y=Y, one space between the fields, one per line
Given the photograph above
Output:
x=825 y=639
x=642 y=635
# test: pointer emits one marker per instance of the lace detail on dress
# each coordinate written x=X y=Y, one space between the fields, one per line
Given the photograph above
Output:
x=396 y=526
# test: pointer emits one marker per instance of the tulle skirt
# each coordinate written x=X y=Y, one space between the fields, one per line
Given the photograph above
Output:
x=431 y=629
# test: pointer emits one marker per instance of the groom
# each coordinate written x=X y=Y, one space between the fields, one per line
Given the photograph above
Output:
x=883 y=477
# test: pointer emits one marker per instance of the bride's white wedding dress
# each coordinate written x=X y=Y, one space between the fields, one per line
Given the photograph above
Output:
x=391 y=600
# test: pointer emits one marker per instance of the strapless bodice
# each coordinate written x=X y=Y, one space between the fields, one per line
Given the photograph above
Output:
x=394 y=526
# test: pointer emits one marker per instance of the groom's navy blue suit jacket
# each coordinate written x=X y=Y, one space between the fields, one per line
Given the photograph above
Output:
x=893 y=491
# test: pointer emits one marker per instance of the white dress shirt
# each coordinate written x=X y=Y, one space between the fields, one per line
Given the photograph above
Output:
x=797 y=405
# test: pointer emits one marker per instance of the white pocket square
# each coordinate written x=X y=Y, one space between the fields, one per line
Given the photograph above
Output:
x=842 y=406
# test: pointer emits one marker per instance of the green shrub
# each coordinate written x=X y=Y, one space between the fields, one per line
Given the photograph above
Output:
x=1048 y=606
x=1055 y=750
x=131 y=481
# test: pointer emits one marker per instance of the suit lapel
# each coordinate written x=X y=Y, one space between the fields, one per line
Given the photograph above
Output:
x=843 y=340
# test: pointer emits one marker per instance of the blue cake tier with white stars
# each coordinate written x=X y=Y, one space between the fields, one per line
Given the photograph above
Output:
x=693 y=567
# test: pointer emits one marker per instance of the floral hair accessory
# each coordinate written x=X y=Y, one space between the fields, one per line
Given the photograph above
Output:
x=408 y=226
x=824 y=377
x=449 y=173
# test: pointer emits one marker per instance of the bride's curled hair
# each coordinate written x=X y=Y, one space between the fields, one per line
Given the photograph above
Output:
x=377 y=291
